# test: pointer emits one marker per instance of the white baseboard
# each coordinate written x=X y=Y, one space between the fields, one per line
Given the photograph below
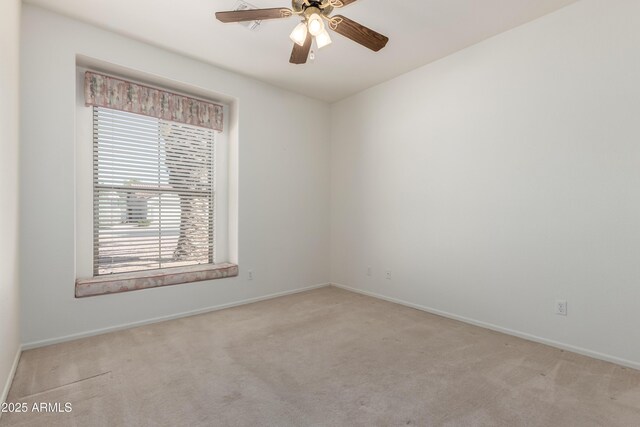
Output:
x=523 y=335
x=42 y=343
x=12 y=373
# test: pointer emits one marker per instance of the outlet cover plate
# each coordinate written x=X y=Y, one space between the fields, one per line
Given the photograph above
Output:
x=561 y=307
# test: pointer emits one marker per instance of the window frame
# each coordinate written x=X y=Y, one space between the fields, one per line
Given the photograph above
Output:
x=84 y=257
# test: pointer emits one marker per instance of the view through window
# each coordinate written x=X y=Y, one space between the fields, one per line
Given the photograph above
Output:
x=154 y=193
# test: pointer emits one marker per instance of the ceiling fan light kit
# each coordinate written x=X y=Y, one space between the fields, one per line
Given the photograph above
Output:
x=314 y=14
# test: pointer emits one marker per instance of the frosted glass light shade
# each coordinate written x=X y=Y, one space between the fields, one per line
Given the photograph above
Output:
x=316 y=26
x=323 y=39
x=299 y=34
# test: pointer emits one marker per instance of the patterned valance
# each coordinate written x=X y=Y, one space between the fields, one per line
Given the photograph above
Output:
x=110 y=92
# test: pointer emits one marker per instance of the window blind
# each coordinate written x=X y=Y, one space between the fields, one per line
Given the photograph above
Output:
x=154 y=193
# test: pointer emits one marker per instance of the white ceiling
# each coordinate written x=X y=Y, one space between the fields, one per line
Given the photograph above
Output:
x=420 y=31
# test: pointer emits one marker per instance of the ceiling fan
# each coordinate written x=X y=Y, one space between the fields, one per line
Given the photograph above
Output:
x=314 y=13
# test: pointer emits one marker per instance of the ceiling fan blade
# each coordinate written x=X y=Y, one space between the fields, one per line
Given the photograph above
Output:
x=300 y=54
x=358 y=33
x=341 y=3
x=253 y=14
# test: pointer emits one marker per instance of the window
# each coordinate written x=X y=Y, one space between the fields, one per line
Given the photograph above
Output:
x=154 y=193
x=156 y=187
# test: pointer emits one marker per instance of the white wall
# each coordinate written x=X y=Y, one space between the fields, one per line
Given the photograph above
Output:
x=502 y=178
x=9 y=126
x=283 y=185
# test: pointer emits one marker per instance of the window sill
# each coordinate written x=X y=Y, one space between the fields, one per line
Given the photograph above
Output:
x=126 y=282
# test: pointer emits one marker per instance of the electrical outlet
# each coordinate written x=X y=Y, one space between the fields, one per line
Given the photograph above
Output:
x=561 y=307
x=388 y=275
x=250 y=274
x=368 y=271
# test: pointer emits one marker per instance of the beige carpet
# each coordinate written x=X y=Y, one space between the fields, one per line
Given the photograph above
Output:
x=321 y=358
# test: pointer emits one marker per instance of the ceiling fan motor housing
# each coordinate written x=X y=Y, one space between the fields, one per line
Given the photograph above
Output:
x=308 y=7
